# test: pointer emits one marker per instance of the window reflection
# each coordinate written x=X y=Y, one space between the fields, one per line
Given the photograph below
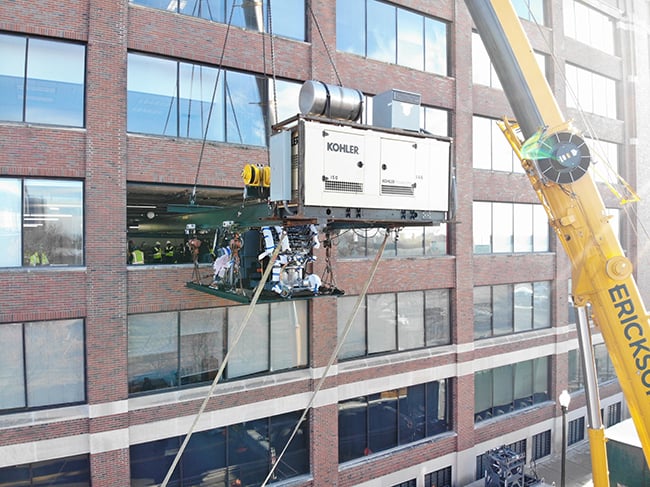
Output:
x=42 y=81
x=591 y=92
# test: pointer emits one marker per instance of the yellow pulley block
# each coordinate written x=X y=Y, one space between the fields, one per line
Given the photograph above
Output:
x=256 y=175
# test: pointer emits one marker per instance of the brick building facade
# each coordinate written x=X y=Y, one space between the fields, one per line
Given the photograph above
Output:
x=102 y=428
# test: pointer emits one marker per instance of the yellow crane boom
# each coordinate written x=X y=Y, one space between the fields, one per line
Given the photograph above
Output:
x=556 y=159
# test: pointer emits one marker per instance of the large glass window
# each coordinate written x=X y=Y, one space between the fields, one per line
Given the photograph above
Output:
x=532 y=10
x=591 y=92
x=392 y=34
x=588 y=25
x=239 y=454
x=288 y=16
x=510 y=308
x=168 y=97
x=71 y=471
x=391 y=322
x=490 y=148
x=509 y=227
x=42 y=81
x=41 y=222
x=172 y=349
x=377 y=422
x=604 y=165
x=511 y=387
x=43 y=364
x=412 y=242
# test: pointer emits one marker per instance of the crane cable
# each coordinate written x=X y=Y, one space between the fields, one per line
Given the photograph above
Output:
x=238 y=334
x=333 y=356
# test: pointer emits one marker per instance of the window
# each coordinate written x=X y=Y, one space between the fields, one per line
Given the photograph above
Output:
x=588 y=25
x=483 y=72
x=288 y=15
x=613 y=414
x=173 y=98
x=591 y=92
x=511 y=387
x=541 y=445
x=377 y=422
x=412 y=242
x=243 y=452
x=490 y=461
x=439 y=478
x=42 y=81
x=509 y=227
x=491 y=149
x=604 y=165
x=61 y=471
x=604 y=367
x=576 y=431
x=532 y=10
x=173 y=349
x=407 y=483
x=510 y=308
x=43 y=364
x=401 y=321
x=392 y=34
x=41 y=222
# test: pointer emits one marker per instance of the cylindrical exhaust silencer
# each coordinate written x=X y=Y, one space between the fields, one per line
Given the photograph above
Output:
x=320 y=99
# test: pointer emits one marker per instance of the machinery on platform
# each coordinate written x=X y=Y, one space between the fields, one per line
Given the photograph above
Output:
x=555 y=159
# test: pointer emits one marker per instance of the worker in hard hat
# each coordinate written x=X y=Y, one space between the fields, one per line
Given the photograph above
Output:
x=168 y=254
x=157 y=253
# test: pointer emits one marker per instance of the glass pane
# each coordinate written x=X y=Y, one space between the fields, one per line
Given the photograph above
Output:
x=435 y=47
x=436 y=121
x=541 y=304
x=153 y=351
x=204 y=460
x=380 y=28
x=481 y=143
x=53 y=222
x=523 y=384
x=287 y=94
x=151 y=461
x=55 y=83
x=540 y=229
x=523 y=306
x=382 y=421
x=412 y=418
x=523 y=238
x=55 y=362
x=295 y=460
x=12 y=77
x=245 y=122
x=436 y=407
x=351 y=243
x=151 y=98
x=503 y=390
x=251 y=354
x=381 y=323
x=201 y=102
x=502 y=307
x=410 y=320
x=351 y=26
x=288 y=335
x=248 y=452
x=480 y=62
x=482 y=312
x=355 y=342
x=435 y=240
x=436 y=317
x=288 y=18
x=502 y=227
x=353 y=422
x=541 y=380
x=410 y=39
x=206 y=9
x=411 y=242
x=502 y=154
x=12 y=376
x=482 y=395
x=10 y=214
x=201 y=344
x=482 y=227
